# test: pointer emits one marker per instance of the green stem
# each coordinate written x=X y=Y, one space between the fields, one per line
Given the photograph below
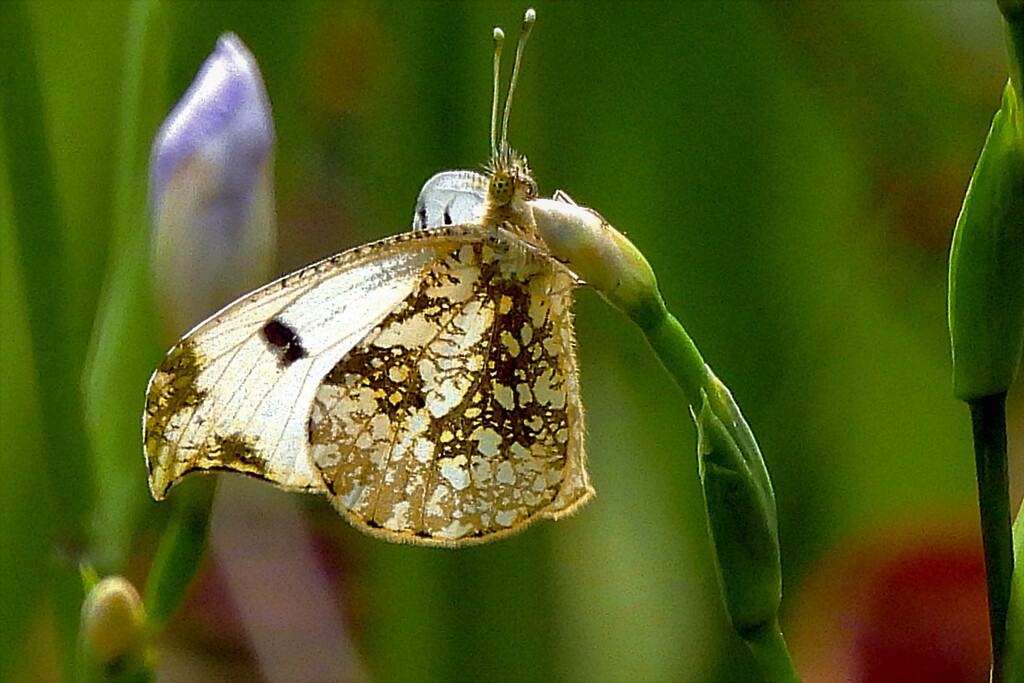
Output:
x=676 y=351
x=988 y=420
x=769 y=649
x=753 y=593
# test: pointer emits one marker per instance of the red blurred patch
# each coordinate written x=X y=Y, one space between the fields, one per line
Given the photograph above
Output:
x=905 y=605
x=927 y=617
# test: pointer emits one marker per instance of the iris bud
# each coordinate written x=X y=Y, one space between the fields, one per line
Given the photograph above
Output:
x=986 y=263
x=741 y=511
x=211 y=189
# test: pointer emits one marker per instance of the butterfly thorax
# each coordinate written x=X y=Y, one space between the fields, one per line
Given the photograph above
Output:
x=510 y=188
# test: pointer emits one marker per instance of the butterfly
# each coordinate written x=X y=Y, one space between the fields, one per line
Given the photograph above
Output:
x=426 y=383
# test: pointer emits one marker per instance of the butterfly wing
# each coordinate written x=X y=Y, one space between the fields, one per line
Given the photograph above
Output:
x=457 y=418
x=235 y=393
x=450 y=198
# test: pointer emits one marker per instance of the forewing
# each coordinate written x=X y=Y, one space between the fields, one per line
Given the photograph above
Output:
x=450 y=198
x=235 y=393
x=457 y=419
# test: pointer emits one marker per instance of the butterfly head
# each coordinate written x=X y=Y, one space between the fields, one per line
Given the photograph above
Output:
x=511 y=184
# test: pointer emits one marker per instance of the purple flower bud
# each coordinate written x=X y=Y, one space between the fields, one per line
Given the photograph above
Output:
x=211 y=189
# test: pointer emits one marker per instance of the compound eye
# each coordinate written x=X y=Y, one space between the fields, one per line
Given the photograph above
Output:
x=501 y=188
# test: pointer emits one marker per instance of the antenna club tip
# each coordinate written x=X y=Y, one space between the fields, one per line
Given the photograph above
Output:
x=499 y=35
x=529 y=17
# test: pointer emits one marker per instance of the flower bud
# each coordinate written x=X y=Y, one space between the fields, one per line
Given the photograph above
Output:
x=211 y=189
x=741 y=511
x=601 y=255
x=113 y=621
x=986 y=263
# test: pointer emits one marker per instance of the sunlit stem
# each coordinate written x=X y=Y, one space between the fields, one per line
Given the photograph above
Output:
x=680 y=356
x=676 y=351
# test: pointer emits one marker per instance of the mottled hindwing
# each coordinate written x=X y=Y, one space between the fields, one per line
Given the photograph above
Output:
x=235 y=393
x=457 y=418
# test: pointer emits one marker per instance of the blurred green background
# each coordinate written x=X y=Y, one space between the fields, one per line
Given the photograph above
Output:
x=792 y=171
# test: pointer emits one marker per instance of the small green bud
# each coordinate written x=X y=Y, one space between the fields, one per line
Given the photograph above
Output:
x=986 y=263
x=113 y=621
x=741 y=513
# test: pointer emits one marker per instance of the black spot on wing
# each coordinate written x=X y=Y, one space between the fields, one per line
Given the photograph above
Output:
x=293 y=353
x=279 y=334
x=282 y=337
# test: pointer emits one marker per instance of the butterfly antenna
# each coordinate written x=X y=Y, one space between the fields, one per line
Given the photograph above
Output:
x=499 y=42
x=528 y=20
